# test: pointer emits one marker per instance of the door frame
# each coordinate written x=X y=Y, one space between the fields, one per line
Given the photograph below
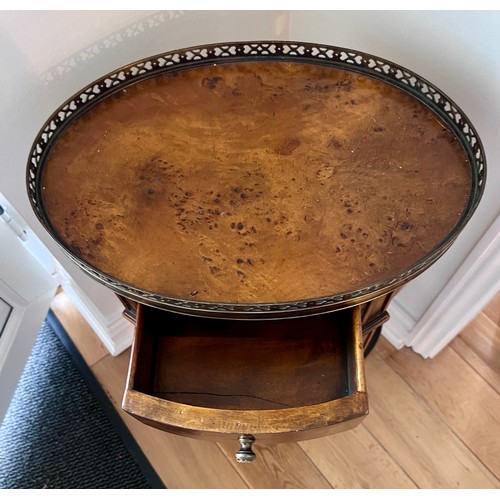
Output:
x=18 y=337
x=28 y=284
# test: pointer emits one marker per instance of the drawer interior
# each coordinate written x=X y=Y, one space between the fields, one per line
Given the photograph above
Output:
x=244 y=365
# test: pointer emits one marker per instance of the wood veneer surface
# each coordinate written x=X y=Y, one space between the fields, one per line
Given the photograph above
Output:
x=255 y=182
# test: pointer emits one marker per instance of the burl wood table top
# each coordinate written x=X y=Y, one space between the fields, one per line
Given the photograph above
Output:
x=255 y=182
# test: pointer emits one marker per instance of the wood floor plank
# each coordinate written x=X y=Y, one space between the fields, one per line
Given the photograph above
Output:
x=384 y=348
x=180 y=462
x=354 y=459
x=482 y=336
x=484 y=370
x=463 y=400
x=80 y=332
x=417 y=439
x=492 y=309
x=283 y=466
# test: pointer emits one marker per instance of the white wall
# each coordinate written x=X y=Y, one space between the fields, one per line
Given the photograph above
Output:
x=48 y=56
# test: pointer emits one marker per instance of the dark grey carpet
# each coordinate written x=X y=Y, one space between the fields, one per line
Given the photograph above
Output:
x=61 y=431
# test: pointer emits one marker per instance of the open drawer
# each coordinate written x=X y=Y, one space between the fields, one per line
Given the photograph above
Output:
x=277 y=381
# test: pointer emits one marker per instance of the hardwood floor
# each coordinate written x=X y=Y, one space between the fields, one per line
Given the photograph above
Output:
x=433 y=423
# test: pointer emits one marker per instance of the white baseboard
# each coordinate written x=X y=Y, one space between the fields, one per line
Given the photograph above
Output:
x=399 y=328
x=114 y=331
x=475 y=283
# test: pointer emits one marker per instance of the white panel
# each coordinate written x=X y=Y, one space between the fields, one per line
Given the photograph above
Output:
x=20 y=270
x=5 y=310
x=26 y=290
x=16 y=343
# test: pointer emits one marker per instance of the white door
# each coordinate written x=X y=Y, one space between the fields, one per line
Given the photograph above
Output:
x=27 y=286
